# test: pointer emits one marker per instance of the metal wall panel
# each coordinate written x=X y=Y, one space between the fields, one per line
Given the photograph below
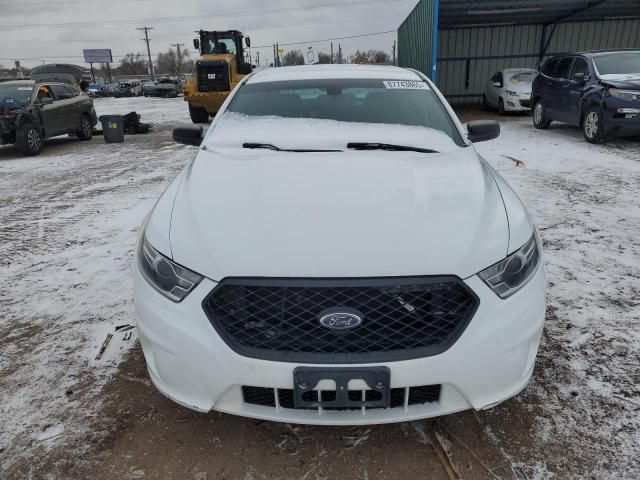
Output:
x=485 y=50
x=416 y=37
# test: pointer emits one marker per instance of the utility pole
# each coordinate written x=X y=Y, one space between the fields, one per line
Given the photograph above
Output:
x=146 y=39
x=331 y=53
x=258 y=58
x=178 y=45
x=394 y=52
x=340 y=53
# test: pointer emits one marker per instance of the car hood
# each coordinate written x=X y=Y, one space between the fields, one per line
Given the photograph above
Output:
x=631 y=80
x=346 y=214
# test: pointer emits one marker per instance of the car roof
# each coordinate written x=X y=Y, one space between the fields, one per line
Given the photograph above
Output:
x=595 y=53
x=318 y=72
x=19 y=82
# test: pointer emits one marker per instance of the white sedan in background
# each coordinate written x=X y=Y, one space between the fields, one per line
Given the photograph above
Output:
x=509 y=90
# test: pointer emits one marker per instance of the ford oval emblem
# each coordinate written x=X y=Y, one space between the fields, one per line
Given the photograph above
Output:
x=340 y=319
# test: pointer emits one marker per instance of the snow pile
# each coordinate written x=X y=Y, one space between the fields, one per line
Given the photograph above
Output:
x=69 y=223
x=586 y=201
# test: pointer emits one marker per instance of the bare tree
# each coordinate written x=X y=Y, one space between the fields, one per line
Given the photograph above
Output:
x=324 y=57
x=133 y=64
x=379 y=56
x=359 y=57
x=293 y=57
x=372 y=56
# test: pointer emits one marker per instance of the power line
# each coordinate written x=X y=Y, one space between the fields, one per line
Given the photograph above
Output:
x=328 y=39
x=194 y=17
x=259 y=46
x=85 y=41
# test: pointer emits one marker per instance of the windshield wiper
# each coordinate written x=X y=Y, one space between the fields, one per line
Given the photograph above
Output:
x=388 y=146
x=268 y=146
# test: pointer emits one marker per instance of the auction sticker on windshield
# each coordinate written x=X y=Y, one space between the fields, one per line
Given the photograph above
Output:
x=404 y=84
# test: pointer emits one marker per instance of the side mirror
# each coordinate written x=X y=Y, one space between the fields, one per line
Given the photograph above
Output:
x=482 y=130
x=497 y=84
x=244 y=68
x=581 y=77
x=45 y=101
x=247 y=40
x=196 y=43
x=188 y=134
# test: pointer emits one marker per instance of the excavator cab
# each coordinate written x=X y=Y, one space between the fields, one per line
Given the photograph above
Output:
x=220 y=68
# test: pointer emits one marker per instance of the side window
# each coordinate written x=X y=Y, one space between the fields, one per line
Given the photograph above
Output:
x=495 y=77
x=500 y=78
x=44 y=92
x=61 y=92
x=73 y=92
x=580 y=67
x=564 y=67
x=550 y=67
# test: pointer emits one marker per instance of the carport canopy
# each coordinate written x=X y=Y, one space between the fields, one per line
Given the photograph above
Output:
x=469 y=13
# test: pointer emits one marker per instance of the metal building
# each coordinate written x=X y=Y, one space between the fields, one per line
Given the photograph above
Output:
x=475 y=39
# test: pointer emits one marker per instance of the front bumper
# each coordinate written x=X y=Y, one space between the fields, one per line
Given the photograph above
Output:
x=622 y=117
x=492 y=361
x=521 y=103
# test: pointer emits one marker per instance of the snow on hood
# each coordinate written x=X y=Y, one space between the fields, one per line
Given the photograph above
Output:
x=304 y=133
x=344 y=214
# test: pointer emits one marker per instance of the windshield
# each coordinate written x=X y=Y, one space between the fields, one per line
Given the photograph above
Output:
x=15 y=96
x=522 y=78
x=618 y=63
x=378 y=101
x=219 y=44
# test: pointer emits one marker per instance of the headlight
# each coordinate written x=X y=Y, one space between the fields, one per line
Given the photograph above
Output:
x=512 y=93
x=169 y=278
x=625 y=94
x=509 y=275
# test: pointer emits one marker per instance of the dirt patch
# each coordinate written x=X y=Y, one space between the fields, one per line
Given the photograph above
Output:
x=148 y=436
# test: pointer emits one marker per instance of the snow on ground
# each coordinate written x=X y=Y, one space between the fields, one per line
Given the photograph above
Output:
x=69 y=223
x=586 y=202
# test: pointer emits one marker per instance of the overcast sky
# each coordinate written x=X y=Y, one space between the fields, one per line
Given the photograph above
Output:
x=58 y=30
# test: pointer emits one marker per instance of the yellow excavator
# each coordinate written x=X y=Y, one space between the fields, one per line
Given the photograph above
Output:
x=220 y=68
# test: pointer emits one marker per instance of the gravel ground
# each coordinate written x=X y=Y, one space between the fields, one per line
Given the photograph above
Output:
x=69 y=221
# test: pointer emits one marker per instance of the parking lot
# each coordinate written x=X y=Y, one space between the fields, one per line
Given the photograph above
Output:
x=69 y=224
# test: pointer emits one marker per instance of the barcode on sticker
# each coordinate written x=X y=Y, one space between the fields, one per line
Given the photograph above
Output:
x=404 y=84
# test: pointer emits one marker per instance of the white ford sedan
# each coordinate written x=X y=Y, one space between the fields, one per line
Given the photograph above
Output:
x=337 y=252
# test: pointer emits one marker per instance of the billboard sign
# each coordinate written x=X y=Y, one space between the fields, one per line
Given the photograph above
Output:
x=97 y=55
x=310 y=57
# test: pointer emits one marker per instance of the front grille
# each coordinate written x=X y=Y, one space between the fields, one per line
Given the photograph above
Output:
x=266 y=397
x=402 y=317
x=212 y=76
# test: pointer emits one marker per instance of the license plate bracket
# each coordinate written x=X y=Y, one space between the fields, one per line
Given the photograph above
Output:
x=306 y=379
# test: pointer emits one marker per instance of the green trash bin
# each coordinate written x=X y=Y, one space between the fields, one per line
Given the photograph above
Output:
x=112 y=128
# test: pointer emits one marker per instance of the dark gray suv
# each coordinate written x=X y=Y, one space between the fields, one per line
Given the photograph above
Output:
x=31 y=112
x=597 y=91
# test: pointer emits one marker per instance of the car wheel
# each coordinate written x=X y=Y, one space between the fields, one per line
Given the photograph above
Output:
x=86 y=129
x=501 y=110
x=29 y=139
x=540 y=120
x=198 y=114
x=592 y=126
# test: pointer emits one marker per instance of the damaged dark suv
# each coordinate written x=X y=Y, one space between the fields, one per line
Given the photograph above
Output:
x=31 y=112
